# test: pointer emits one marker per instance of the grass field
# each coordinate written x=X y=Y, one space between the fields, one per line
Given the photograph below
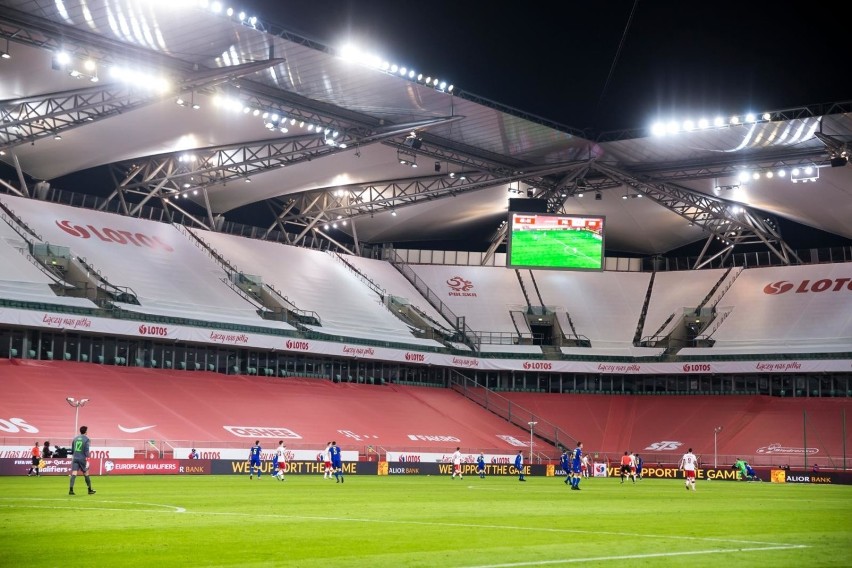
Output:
x=420 y=521
x=556 y=249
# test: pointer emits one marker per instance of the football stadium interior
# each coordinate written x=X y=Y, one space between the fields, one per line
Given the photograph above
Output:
x=154 y=299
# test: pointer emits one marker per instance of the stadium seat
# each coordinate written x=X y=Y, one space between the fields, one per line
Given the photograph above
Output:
x=13 y=352
x=84 y=358
x=167 y=364
x=66 y=356
x=31 y=353
x=211 y=367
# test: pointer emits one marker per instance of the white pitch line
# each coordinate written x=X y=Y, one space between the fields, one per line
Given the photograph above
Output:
x=176 y=509
x=639 y=556
x=168 y=508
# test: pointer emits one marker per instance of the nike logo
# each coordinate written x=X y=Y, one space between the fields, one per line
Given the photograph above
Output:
x=134 y=430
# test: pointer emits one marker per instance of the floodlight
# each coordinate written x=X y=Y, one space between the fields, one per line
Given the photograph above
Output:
x=718 y=121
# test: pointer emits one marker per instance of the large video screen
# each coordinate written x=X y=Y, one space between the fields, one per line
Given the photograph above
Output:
x=559 y=242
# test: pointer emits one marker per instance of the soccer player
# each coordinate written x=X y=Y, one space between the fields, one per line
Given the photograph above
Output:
x=576 y=466
x=687 y=466
x=633 y=467
x=586 y=465
x=80 y=460
x=336 y=463
x=36 y=458
x=625 y=465
x=457 y=464
x=519 y=465
x=565 y=464
x=639 y=463
x=480 y=466
x=254 y=458
x=279 y=462
x=326 y=460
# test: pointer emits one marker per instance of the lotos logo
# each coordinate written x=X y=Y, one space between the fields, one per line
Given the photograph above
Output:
x=696 y=367
x=664 y=446
x=114 y=236
x=805 y=286
x=298 y=345
x=157 y=330
x=415 y=357
x=412 y=458
x=538 y=366
x=775 y=288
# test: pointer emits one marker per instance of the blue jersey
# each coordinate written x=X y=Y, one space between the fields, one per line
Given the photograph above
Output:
x=334 y=452
x=480 y=463
x=639 y=462
x=565 y=463
x=519 y=462
x=576 y=460
x=254 y=453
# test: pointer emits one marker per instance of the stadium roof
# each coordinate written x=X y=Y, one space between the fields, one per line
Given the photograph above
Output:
x=350 y=123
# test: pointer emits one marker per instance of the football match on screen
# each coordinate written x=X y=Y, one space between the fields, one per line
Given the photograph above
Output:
x=556 y=241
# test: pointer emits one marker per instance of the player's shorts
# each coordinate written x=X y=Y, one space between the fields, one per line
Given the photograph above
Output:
x=255 y=462
x=282 y=466
x=457 y=468
x=35 y=460
x=576 y=469
x=79 y=465
x=337 y=464
x=625 y=469
x=689 y=473
x=480 y=468
x=328 y=465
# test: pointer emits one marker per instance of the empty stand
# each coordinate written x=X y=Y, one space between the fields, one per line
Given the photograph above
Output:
x=485 y=297
x=198 y=406
x=674 y=291
x=618 y=423
x=168 y=275
x=796 y=309
x=385 y=275
x=604 y=306
x=21 y=280
x=314 y=281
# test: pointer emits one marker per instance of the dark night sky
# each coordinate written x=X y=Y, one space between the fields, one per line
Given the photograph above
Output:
x=553 y=58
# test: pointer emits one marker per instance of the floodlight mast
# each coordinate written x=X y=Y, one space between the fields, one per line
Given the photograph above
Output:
x=532 y=425
x=76 y=404
x=716 y=431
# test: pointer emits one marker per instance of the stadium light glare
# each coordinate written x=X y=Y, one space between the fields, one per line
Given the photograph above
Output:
x=766 y=116
x=703 y=123
x=673 y=127
x=782 y=173
x=719 y=121
x=744 y=176
x=735 y=120
x=750 y=117
x=658 y=129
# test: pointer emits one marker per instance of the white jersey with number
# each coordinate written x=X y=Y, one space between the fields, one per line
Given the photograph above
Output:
x=280 y=453
x=457 y=458
x=688 y=462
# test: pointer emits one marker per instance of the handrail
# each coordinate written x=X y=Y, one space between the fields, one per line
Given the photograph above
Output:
x=467 y=334
x=512 y=412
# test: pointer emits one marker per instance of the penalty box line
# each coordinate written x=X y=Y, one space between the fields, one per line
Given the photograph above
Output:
x=498 y=527
x=640 y=556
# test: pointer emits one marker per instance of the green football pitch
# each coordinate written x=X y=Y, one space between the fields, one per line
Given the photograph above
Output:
x=556 y=249
x=420 y=521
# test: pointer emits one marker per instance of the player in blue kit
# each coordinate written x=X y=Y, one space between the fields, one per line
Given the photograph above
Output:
x=565 y=464
x=519 y=465
x=480 y=466
x=336 y=463
x=254 y=458
x=577 y=466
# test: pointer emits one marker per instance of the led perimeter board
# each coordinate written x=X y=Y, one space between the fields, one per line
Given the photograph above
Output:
x=556 y=242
